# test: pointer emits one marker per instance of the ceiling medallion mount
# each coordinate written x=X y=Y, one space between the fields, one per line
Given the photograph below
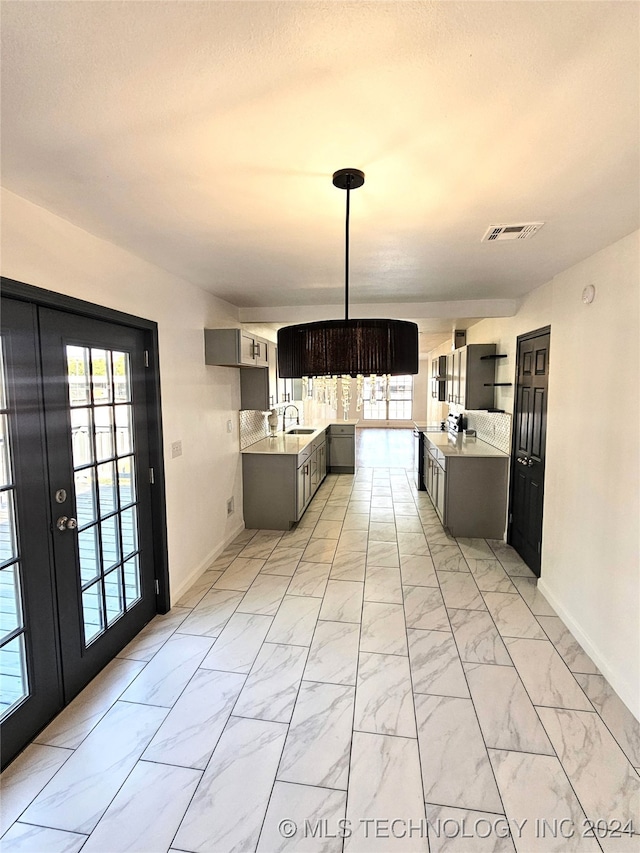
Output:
x=348 y=347
x=348 y=179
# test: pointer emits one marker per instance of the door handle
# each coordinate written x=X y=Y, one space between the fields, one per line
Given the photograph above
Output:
x=529 y=462
x=63 y=523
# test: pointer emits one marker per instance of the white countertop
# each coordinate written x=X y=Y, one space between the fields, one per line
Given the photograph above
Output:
x=462 y=445
x=290 y=445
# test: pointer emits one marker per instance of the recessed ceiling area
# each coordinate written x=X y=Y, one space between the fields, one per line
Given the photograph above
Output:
x=202 y=137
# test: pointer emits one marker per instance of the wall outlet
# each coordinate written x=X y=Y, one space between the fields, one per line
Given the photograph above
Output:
x=230 y=505
x=176 y=449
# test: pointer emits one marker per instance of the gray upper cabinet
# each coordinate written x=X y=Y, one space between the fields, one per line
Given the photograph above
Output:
x=235 y=348
x=289 y=390
x=471 y=376
x=258 y=388
x=272 y=351
x=438 y=378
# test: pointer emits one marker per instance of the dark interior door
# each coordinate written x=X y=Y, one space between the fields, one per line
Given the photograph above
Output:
x=77 y=567
x=529 y=439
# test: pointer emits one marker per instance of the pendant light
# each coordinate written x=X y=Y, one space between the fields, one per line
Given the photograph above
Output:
x=348 y=347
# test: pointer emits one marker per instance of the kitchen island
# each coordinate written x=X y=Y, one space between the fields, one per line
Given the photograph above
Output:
x=281 y=473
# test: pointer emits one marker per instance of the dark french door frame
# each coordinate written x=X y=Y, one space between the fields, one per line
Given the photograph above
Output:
x=50 y=299
x=544 y=330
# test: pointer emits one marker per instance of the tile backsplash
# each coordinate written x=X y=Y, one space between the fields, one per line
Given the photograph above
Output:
x=254 y=425
x=492 y=427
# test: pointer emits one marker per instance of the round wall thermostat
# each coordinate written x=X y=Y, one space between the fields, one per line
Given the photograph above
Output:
x=588 y=294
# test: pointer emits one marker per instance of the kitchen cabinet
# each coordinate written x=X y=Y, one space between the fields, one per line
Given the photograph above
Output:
x=452 y=377
x=438 y=378
x=277 y=487
x=258 y=388
x=436 y=483
x=303 y=488
x=322 y=462
x=272 y=354
x=428 y=474
x=289 y=390
x=469 y=493
x=440 y=489
x=235 y=348
x=341 y=449
x=471 y=376
x=318 y=462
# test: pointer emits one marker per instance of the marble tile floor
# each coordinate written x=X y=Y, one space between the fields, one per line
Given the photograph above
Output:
x=363 y=682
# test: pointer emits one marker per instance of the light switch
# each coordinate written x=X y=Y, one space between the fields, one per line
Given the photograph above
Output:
x=229 y=426
x=176 y=449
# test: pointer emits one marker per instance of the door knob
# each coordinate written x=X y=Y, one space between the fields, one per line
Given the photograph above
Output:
x=529 y=462
x=63 y=523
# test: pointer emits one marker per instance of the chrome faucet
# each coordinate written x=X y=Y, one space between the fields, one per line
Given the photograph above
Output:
x=284 y=414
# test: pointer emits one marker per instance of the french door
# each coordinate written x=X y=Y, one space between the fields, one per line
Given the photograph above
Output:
x=77 y=578
x=529 y=442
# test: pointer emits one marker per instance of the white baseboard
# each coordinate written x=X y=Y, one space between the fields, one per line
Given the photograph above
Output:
x=625 y=690
x=178 y=592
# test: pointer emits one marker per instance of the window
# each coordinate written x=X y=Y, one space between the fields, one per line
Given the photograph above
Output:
x=394 y=405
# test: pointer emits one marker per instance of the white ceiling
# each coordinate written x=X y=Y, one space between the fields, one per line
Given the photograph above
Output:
x=202 y=137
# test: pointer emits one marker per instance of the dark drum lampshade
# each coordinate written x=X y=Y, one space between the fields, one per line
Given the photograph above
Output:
x=348 y=348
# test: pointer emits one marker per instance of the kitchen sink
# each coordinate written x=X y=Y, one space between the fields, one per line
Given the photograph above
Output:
x=300 y=431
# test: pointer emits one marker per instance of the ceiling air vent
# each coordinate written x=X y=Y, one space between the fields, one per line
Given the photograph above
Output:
x=522 y=231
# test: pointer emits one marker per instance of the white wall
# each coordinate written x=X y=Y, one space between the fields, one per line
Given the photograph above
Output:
x=534 y=312
x=591 y=538
x=591 y=568
x=197 y=400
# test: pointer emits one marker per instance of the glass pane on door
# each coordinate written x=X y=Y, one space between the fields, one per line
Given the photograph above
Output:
x=101 y=413
x=14 y=683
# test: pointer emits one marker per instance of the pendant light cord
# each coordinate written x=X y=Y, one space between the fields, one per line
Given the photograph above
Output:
x=346 y=253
